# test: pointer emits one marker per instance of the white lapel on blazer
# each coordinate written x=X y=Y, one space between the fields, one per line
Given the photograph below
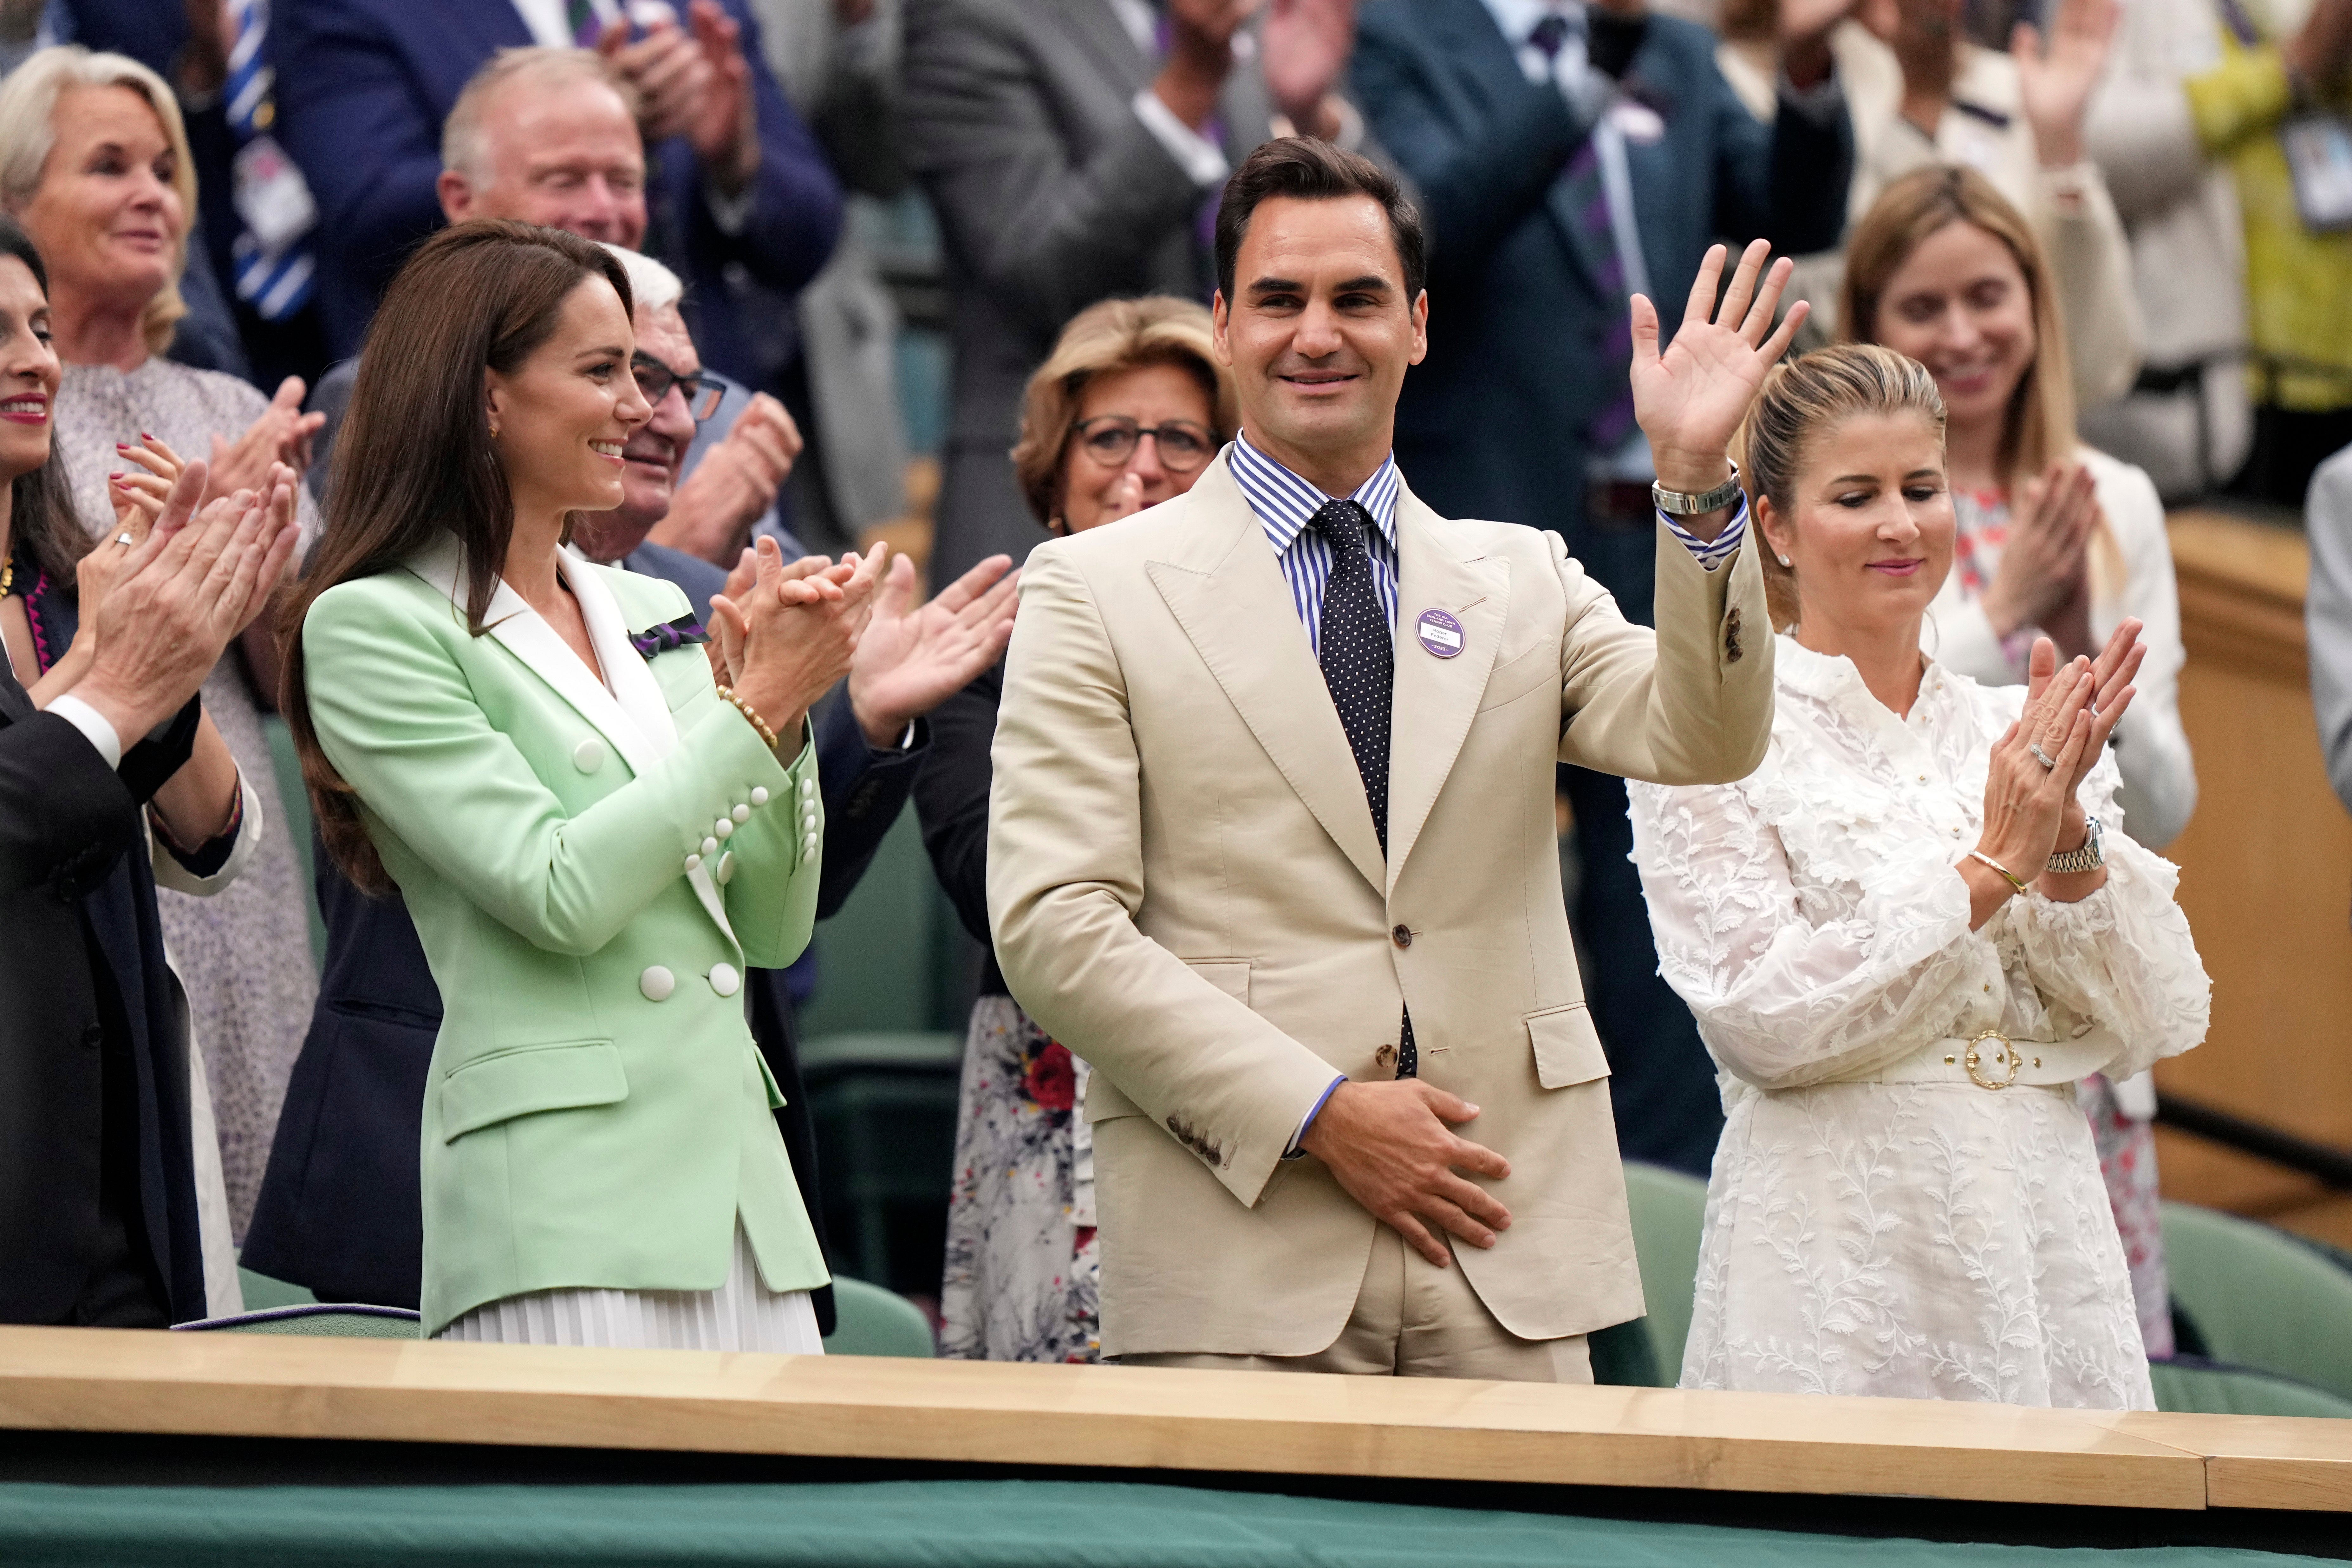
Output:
x=638 y=692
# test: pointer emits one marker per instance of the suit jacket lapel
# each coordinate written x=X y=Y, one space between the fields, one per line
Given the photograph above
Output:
x=629 y=725
x=1435 y=698
x=1234 y=604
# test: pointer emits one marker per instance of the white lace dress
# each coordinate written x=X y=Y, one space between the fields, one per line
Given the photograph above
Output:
x=1928 y=1240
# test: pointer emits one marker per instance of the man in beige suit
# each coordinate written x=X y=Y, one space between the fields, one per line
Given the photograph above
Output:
x=1272 y=840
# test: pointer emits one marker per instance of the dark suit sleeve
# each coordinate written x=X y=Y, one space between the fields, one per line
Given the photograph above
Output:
x=1046 y=234
x=65 y=817
x=350 y=114
x=863 y=792
x=1786 y=183
x=1473 y=191
x=795 y=214
x=951 y=797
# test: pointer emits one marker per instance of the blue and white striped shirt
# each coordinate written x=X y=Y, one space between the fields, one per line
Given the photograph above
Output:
x=1284 y=504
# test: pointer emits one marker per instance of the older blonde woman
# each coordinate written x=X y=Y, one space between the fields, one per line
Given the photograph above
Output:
x=2051 y=537
x=94 y=161
x=1125 y=413
x=1905 y=936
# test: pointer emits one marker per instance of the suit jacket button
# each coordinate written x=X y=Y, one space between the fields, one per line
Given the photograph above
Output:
x=588 y=755
x=657 y=983
x=1402 y=937
x=1383 y=1055
x=93 y=1035
x=758 y=795
x=726 y=871
x=724 y=979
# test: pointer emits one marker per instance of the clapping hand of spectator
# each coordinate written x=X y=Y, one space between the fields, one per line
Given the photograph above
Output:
x=912 y=659
x=1199 y=55
x=194 y=581
x=1924 y=36
x=1691 y=396
x=734 y=483
x=2037 y=767
x=282 y=434
x=1306 y=45
x=792 y=637
x=2044 y=570
x=694 y=82
x=2054 y=77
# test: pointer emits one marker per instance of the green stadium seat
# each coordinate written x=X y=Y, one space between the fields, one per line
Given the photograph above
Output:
x=1669 y=1209
x=2190 y=1383
x=337 y=1321
x=2261 y=1299
x=262 y=1292
x=884 y=1110
x=873 y=1322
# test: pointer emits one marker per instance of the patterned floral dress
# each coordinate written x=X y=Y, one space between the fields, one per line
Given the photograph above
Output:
x=245 y=954
x=1921 y=1240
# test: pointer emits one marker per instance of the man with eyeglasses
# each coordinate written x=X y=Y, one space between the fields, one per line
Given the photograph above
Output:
x=339 y=1210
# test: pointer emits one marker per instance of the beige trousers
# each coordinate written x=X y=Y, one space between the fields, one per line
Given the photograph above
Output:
x=1413 y=1320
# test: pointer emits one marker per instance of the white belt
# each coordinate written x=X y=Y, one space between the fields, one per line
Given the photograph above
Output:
x=1991 y=1060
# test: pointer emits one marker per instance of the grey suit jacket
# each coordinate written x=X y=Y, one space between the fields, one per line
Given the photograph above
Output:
x=1052 y=194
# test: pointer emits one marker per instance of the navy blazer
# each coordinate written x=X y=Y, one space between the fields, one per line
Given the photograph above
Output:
x=1491 y=423
x=340 y=1209
x=364 y=87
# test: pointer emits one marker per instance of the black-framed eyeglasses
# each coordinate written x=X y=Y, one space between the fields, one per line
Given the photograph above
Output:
x=702 y=392
x=1110 y=439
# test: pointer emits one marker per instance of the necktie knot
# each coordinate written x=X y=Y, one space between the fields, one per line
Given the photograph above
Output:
x=1343 y=524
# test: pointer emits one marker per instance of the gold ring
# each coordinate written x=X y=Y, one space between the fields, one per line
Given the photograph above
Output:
x=2007 y=1054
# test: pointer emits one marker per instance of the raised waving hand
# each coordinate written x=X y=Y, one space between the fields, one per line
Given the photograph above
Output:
x=1690 y=396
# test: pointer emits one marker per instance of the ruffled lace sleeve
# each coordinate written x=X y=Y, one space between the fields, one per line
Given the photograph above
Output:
x=2124 y=956
x=1784 y=998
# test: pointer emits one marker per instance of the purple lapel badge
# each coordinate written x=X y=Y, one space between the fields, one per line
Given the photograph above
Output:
x=683 y=632
x=1440 y=633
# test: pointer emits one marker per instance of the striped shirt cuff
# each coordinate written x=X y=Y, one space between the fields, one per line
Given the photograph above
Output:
x=1711 y=553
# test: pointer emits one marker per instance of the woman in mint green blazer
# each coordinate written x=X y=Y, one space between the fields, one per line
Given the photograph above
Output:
x=594 y=837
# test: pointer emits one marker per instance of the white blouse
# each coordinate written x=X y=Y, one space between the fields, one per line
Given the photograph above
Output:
x=1933 y=1241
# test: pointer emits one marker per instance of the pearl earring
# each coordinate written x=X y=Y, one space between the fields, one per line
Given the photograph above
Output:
x=1783 y=560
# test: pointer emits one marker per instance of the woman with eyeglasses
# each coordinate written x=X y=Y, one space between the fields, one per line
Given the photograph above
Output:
x=1125 y=413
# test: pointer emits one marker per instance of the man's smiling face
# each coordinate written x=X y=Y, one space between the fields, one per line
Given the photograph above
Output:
x=1320 y=332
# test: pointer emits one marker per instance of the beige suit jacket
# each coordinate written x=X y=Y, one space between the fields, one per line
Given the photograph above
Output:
x=1187 y=892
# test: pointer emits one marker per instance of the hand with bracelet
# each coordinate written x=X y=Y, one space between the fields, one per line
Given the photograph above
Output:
x=2031 y=781
x=787 y=641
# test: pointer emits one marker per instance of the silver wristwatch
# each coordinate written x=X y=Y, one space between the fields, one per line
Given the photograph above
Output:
x=1683 y=503
x=2089 y=857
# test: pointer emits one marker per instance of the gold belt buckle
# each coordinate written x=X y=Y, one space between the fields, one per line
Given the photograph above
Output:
x=2007 y=1054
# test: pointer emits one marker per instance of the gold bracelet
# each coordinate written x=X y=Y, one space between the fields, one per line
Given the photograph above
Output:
x=745 y=709
x=2006 y=874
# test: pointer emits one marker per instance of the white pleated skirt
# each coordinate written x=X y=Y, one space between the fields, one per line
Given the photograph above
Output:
x=741 y=1315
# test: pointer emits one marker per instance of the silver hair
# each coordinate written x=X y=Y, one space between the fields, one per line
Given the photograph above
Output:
x=655 y=286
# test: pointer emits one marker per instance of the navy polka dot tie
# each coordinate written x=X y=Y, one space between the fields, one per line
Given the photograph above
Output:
x=1359 y=656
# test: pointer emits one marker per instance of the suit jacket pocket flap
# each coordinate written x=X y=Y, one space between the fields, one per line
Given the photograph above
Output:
x=1567 y=1048
x=559 y=1076
x=1230 y=975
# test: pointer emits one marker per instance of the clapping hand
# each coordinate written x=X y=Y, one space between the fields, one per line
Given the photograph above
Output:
x=2054 y=82
x=2045 y=569
x=1691 y=397
x=912 y=659
x=793 y=635
x=736 y=481
x=282 y=434
x=1306 y=45
x=694 y=83
x=2038 y=765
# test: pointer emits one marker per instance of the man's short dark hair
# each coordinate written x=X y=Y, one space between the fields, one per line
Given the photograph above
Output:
x=1309 y=170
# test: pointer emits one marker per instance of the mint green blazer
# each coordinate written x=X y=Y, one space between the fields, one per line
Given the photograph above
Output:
x=590 y=870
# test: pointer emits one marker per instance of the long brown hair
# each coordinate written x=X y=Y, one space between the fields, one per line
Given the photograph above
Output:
x=42 y=527
x=415 y=461
x=2040 y=425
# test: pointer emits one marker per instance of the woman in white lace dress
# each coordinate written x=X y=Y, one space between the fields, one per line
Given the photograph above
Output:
x=1904 y=936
